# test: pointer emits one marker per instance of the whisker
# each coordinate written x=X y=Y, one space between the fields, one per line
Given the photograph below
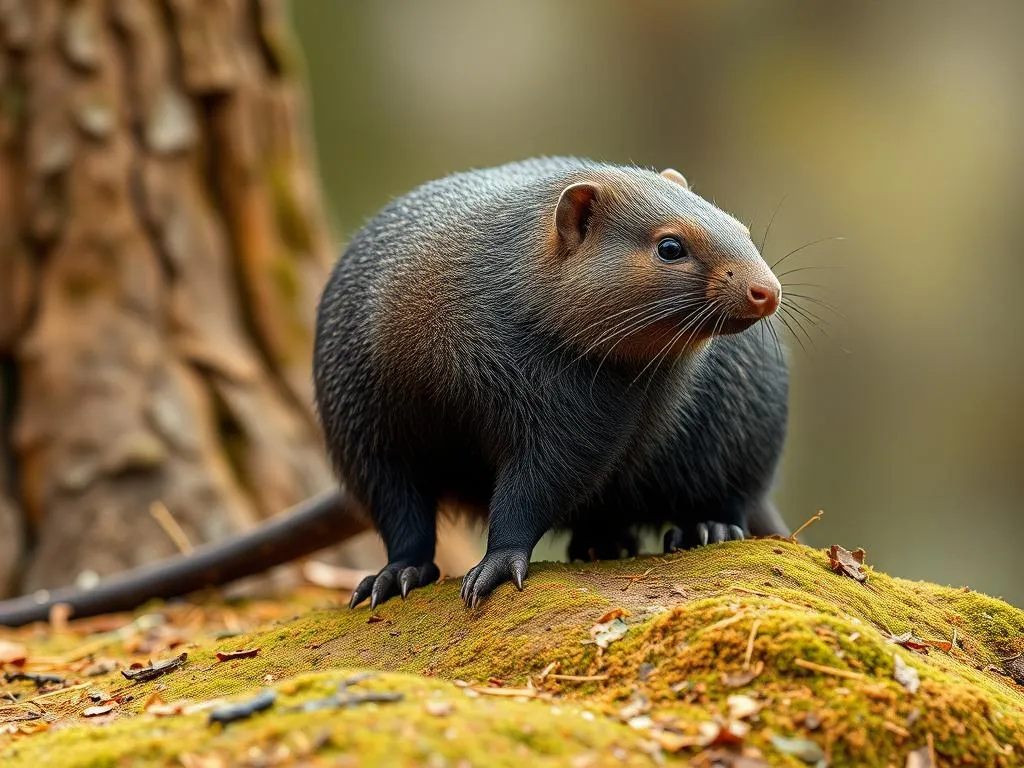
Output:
x=589 y=326
x=775 y=335
x=772 y=221
x=803 y=269
x=805 y=245
x=807 y=312
x=814 y=300
x=815 y=320
x=692 y=322
x=797 y=321
x=807 y=285
x=644 y=323
x=663 y=355
x=792 y=333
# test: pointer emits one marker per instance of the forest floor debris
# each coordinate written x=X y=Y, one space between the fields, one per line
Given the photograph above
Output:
x=745 y=654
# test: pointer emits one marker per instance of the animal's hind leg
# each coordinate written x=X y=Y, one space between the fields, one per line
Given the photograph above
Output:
x=600 y=541
x=407 y=521
x=763 y=519
x=725 y=522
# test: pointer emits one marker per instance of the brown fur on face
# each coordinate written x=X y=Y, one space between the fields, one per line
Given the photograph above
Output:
x=625 y=300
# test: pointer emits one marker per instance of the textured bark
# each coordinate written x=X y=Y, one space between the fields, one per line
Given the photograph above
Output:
x=161 y=248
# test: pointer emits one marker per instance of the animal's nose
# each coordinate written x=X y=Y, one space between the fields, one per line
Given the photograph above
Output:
x=763 y=298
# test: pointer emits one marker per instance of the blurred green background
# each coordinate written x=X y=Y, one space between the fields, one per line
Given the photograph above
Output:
x=895 y=125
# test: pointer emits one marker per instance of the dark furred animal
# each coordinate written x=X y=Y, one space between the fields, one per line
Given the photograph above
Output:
x=557 y=344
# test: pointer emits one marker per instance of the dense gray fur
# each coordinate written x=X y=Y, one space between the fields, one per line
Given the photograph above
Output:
x=492 y=401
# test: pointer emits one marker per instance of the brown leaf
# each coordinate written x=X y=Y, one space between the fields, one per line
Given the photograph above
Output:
x=911 y=643
x=614 y=613
x=674 y=742
x=247 y=653
x=154 y=671
x=12 y=653
x=743 y=677
x=847 y=563
x=102 y=709
x=728 y=734
x=1015 y=668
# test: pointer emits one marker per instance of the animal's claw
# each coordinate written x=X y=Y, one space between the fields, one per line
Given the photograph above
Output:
x=497 y=567
x=394 y=579
x=701 y=534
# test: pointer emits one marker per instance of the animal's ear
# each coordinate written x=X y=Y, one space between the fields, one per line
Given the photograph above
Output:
x=575 y=207
x=675 y=176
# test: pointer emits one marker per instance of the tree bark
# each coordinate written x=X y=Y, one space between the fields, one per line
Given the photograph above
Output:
x=162 y=245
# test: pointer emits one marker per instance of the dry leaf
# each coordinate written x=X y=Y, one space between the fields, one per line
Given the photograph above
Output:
x=1015 y=669
x=847 y=563
x=743 y=677
x=97 y=711
x=12 y=653
x=912 y=643
x=741 y=707
x=674 y=742
x=614 y=613
x=801 y=749
x=905 y=675
x=142 y=674
x=248 y=653
x=604 y=634
x=724 y=734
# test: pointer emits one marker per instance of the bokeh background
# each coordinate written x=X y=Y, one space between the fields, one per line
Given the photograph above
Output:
x=894 y=125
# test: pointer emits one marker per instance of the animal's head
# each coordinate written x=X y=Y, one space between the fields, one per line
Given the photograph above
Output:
x=651 y=268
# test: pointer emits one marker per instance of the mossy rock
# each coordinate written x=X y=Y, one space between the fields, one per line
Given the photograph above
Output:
x=805 y=653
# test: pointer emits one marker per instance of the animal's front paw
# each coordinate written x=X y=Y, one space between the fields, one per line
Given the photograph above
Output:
x=701 y=534
x=497 y=567
x=394 y=578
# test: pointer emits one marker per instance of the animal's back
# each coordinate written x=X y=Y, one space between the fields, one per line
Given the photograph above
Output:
x=416 y=302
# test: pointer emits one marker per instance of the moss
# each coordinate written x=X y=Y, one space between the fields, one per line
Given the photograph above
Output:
x=820 y=641
x=480 y=730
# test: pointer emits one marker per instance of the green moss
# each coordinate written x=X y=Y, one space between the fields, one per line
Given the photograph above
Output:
x=819 y=640
x=482 y=730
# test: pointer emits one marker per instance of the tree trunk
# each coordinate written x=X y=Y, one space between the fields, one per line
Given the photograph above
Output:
x=161 y=248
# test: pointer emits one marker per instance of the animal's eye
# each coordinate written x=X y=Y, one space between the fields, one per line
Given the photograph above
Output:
x=670 y=249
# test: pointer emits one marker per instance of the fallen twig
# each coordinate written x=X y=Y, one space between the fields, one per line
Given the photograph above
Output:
x=807 y=524
x=174 y=531
x=579 y=678
x=834 y=671
x=750 y=644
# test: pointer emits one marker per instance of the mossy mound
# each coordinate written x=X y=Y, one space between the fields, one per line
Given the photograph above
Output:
x=756 y=648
